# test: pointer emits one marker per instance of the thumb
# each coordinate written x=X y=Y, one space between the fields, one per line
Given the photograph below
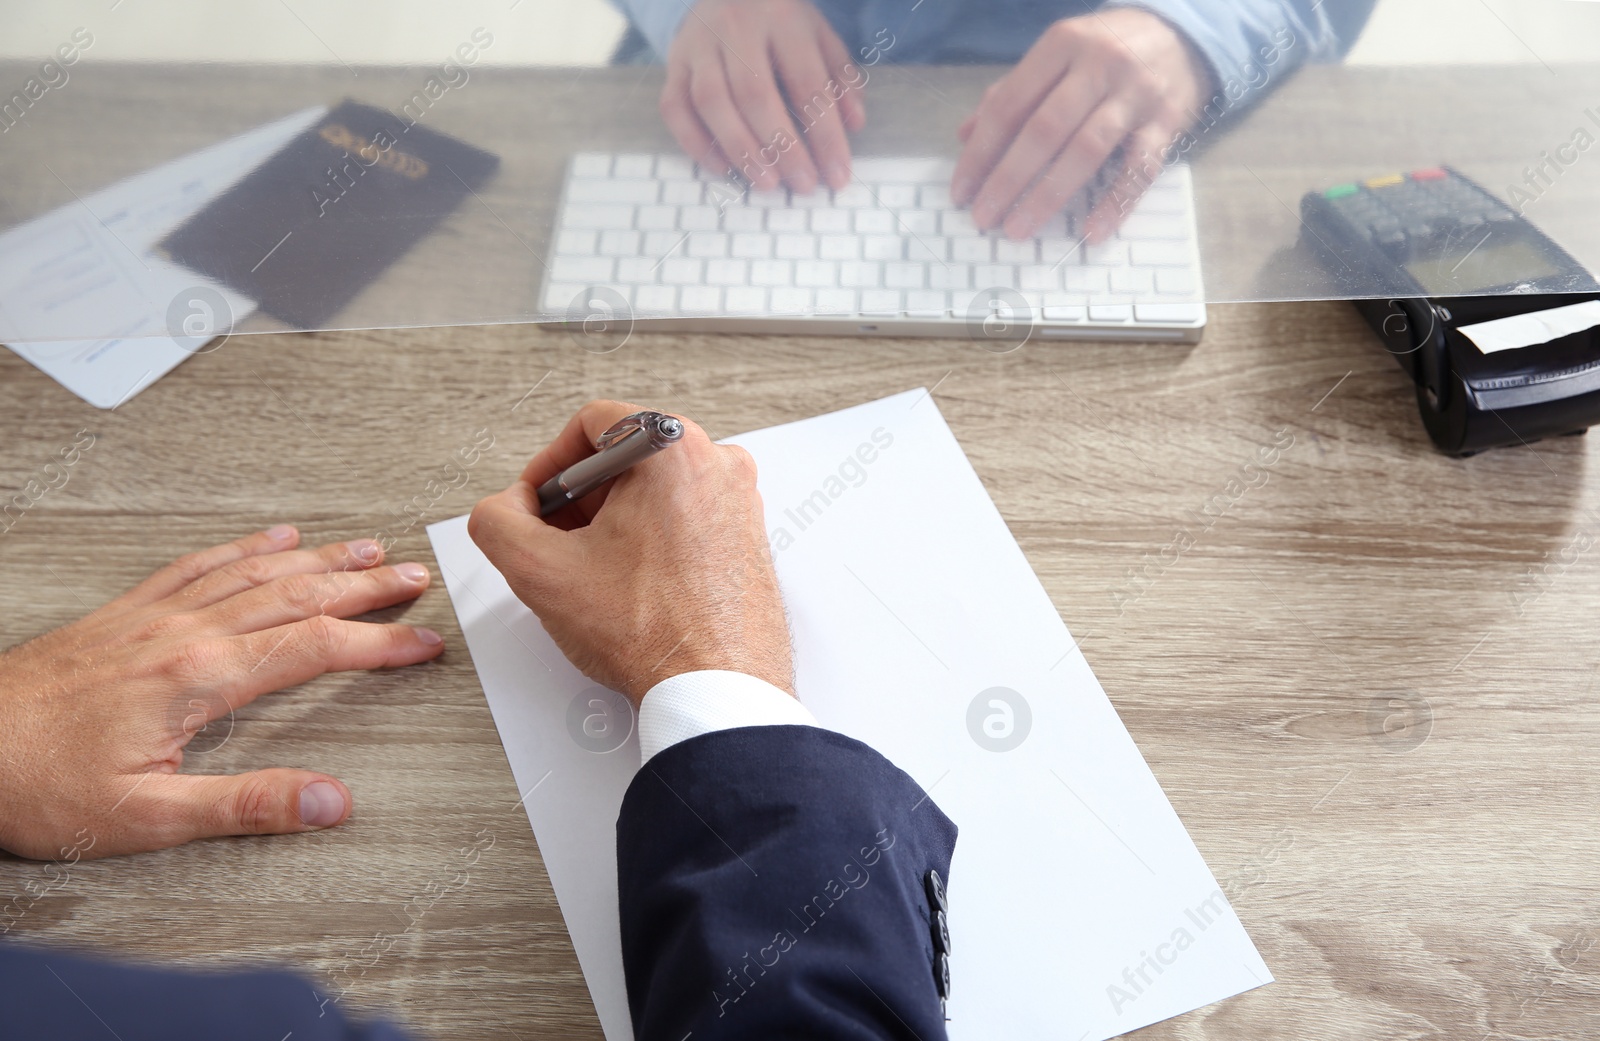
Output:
x=265 y=802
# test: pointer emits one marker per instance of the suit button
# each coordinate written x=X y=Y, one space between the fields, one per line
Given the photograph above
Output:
x=941 y=932
x=935 y=887
x=941 y=974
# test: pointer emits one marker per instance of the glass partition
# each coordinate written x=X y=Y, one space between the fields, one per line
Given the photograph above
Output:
x=175 y=169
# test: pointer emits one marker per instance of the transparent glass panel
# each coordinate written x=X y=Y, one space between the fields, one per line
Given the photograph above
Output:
x=174 y=169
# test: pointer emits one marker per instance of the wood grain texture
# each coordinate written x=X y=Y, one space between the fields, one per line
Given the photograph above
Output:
x=1366 y=680
x=1397 y=889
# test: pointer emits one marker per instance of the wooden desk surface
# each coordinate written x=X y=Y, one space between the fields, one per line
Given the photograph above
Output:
x=1368 y=686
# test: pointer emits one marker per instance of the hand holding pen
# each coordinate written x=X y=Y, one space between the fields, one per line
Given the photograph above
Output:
x=661 y=571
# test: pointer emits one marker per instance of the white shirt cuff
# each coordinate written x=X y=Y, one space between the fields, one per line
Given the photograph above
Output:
x=695 y=703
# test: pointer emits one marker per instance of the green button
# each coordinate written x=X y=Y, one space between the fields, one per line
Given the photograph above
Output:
x=1339 y=191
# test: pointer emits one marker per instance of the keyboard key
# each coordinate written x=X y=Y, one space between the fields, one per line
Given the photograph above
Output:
x=819 y=273
x=1162 y=202
x=655 y=299
x=658 y=244
x=792 y=301
x=927 y=303
x=875 y=222
x=751 y=245
x=681 y=271
x=854 y=196
x=558 y=296
x=860 y=274
x=776 y=199
x=916 y=222
x=972 y=250
x=1175 y=313
x=1176 y=281
x=838 y=247
x=990 y=275
x=699 y=218
x=1087 y=280
x=882 y=247
x=656 y=218
x=674 y=167
x=820 y=198
x=1039 y=277
x=935 y=196
x=1110 y=312
x=636 y=270
x=795 y=247
x=1065 y=312
x=743 y=218
x=1133 y=280
x=1106 y=254
x=700 y=299
x=576 y=242
x=726 y=272
x=950 y=276
x=596 y=215
x=707 y=244
x=745 y=300
x=903 y=170
x=896 y=196
x=583 y=189
x=619 y=244
x=957 y=222
x=591 y=164
x=1151 y=226
x=682 y=193
x=771 y=272
x=1053 y=250
x=836 y=301
x=1008 y=252
x=882 y=302
x=830 y=221
x=590 y=270
x=1160 y=254
x=928 y=249
x=903 y=275
x=786 y=220
x=633 y=164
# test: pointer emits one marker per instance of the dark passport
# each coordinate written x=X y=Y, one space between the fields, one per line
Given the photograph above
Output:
x=309 y=228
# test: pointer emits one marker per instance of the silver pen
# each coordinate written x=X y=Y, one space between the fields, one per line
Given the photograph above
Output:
x=631 y=440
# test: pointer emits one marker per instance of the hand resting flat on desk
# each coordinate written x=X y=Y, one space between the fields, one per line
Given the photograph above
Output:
x=661 y=586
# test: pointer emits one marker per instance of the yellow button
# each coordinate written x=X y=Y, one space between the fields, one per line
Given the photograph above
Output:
x=1386 y=180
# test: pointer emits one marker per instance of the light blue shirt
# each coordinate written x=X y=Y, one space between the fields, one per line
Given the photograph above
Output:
x=1249 y=44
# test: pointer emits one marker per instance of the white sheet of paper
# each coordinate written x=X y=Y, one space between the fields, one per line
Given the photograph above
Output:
x=88 y=264
x=1535 y=327
x=1079 y=907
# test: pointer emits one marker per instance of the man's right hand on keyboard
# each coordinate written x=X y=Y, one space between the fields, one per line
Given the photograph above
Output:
x=728 y=71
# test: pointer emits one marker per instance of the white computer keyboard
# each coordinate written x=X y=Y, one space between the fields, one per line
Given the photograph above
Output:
x=888 y=254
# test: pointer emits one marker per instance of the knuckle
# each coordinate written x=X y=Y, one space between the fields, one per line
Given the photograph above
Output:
x=1065 y=31
x=193 y=662
x=252 y=807
x=1102 y=136
x=165 y=627
x=304 y=594
x=324 y=636
x=253 y=571
x=188 y=567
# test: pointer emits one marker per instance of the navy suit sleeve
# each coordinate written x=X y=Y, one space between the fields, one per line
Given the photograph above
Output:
x=774 y=883
x=47 y=994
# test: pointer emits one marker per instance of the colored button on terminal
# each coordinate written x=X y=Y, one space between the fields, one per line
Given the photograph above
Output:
x=1339 y=191
x=1386 y=181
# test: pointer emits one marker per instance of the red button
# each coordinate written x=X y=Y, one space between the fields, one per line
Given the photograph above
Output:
x=1432 y=173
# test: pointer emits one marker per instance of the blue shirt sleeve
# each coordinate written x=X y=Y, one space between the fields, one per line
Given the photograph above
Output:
x=1251 y=45
x=656 y=20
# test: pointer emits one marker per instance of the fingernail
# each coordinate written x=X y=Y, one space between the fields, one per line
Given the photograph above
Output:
x=1018 y=228
x=959 y=191
x=281 y=532
x=321 y=805
x=364 y=550
x=429 y=637
x=412 y=572
x=838 y=176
